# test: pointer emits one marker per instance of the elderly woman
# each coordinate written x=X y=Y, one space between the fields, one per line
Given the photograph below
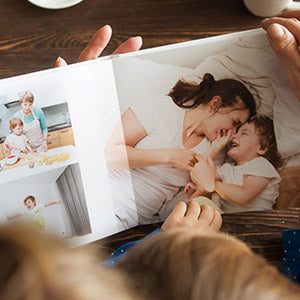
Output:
x=154 y=145
x=34 y=124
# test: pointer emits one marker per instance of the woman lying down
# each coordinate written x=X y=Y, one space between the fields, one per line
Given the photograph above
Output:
x=250 y=181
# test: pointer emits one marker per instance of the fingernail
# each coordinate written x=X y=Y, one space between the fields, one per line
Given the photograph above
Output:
x=275 y=31
x=58 y=60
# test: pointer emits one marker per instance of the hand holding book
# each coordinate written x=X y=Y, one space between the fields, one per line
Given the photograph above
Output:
x=284 y=37
x=99 y=41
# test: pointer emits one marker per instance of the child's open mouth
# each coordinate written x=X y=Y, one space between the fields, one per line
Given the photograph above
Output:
x=234 y=144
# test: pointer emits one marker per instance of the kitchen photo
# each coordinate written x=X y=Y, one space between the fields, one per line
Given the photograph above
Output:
x=53 y=201
x=35 y=133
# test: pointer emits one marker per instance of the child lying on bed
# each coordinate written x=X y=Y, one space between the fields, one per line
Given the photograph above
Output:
x=251 y=181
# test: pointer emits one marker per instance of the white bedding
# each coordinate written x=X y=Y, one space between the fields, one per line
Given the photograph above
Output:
x=250 y=60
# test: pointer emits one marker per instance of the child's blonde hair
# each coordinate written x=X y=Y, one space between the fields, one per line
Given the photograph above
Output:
x=14 y=122
x=192 y=266
x=36 y=266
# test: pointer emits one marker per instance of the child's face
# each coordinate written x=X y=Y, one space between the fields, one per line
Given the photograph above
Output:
x=29 y=204
x=245 y=144
x=18 y=130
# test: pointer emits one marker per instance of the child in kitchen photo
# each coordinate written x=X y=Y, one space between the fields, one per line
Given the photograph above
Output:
x=32 y=212
x=17 y=141
x=250 y=181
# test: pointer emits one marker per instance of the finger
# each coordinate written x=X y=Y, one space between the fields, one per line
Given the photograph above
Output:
x=216 y=222
x=132 y=44
x=194 y=161
x=206 y=215
x=210 y=161
x=179 y=210
x=284 y=45
x=290 y=14
x=199 y=157
x=60 y=62
x=193 y=210
x=189 y=168
x=291 y=24
x=97 y=43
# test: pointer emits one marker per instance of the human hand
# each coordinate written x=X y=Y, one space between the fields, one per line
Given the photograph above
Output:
x=222 y=139
x=284 y=36
x=182 y=158
x=191 y=216
x=190 y=188
x=97 y=44
x=203 y=174
x=44 y=146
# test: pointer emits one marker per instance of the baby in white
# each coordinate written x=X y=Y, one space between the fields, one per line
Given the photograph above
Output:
x=251 y=182
x=17 y=142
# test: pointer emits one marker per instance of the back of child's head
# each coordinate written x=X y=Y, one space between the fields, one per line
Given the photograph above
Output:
x=31 y=198
x=264 y=127
x=14 y=122
x=36 y=266
x=27 y=97
x=192 y=266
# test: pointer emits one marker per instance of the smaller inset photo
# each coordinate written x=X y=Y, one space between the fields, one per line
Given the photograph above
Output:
x=34 y=136
x=53 y=201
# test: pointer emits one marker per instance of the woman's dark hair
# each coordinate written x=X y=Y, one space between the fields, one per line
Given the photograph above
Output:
x=190 y=95
x=265 y=130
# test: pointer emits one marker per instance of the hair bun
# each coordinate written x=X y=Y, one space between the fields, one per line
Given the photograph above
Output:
x=207 y=82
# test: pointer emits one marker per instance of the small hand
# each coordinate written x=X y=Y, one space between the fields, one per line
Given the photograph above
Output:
x=99 y=41
x=44 y=146
x=191 y=216
x=182 y=158
x=203 y=174
x=223 y=138
x=190 y=188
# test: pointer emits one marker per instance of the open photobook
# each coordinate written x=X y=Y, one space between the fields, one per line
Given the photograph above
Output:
x=80 y=186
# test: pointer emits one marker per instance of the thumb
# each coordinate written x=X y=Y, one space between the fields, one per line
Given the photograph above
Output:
x=60 y=62
x=284 y=44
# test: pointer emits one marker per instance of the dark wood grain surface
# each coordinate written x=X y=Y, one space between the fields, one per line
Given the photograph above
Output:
x=262 y=231
x=32 y=38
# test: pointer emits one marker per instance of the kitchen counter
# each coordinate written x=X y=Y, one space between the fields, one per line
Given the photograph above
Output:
x=50 y=129
x=21 y=169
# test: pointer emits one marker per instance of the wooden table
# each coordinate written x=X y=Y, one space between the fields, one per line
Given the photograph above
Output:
x=262 y=231
x=32 y=38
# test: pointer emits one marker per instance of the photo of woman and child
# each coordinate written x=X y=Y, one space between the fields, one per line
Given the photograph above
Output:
x=251 y=181
x=28 y=128
x=163 y=140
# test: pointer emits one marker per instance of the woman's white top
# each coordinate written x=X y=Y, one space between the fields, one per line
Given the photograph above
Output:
x=163 y=121
x=232 y=174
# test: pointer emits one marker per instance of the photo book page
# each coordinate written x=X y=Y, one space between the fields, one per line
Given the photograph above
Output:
x=98 y=147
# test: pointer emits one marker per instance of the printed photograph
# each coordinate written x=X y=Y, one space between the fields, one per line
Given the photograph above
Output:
x=213 y=122
x=53 y=201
